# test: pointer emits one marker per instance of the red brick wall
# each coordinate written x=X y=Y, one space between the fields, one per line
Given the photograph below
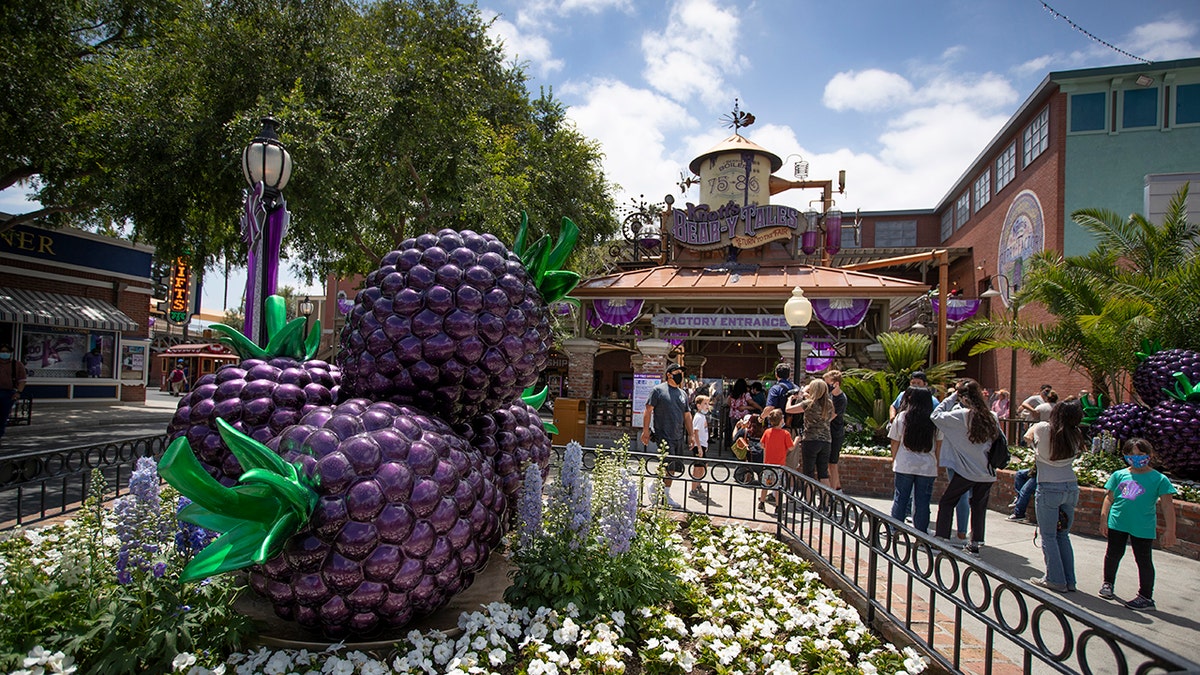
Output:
x=135 y=305
x=872 y=477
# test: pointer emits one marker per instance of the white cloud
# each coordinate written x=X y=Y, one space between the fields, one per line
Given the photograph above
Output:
x=525 y=46
x=632 y=126
x=986 y=91
x=1163 y=40
x=694 y=54
x=872 y=89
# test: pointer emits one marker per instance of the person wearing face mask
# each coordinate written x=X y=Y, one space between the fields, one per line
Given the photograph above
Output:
x=667 y=413
x=1131 y=499
x=12 y=383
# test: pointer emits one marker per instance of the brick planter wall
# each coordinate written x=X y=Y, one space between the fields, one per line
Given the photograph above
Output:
x=872 y=477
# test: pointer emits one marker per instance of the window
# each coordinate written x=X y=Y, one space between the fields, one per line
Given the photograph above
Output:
x=1087 y=112
x=962 y=210
x=850 y=237
x=947 y=224
x=983 y=190
x=1141 y=108
x=1006 y=167
x=895 y=233
x=1187 y=104
x=1037 y=137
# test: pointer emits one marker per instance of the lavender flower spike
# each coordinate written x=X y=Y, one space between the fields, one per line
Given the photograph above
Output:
x=529 y=507
x=617 y=525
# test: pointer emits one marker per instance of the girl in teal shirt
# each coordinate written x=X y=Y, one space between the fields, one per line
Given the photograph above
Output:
x=1129 y=515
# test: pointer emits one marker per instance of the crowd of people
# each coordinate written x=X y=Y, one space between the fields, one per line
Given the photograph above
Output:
x=803 y=428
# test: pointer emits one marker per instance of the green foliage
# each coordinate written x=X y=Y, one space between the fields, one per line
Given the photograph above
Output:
x=563 y=567
x=61 y=592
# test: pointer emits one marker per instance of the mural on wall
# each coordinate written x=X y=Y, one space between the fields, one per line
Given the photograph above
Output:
x=1023 y=234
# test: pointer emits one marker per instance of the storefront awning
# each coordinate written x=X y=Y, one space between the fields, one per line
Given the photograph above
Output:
x=53 y=309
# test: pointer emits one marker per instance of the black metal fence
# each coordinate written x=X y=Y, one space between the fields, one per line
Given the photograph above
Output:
x=37 y=485
x=951 y=606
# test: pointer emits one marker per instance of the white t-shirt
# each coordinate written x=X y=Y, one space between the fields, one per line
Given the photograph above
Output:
x=907 y=461
x=1043 y=411
x=700 y=424
x=1033 y=402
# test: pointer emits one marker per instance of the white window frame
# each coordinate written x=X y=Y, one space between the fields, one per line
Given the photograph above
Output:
x=1006 y=167
x=983 y=189
x=1107 y=112
x=1036 y=137
x=1175 y=102
x=962 y=210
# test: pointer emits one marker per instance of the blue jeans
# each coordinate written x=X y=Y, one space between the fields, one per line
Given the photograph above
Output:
x=1024 y=484
x=962 y=510
x=1056 y=544
x=920 y=489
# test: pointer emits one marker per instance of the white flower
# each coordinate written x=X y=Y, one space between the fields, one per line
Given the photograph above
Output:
x=182 y=660
x=569 y=632
x=497 y=657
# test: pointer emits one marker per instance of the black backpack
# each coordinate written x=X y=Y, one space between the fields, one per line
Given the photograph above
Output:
x=998 y=454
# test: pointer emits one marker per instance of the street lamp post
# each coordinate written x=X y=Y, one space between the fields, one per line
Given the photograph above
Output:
x=798 y=311
x=267 y=167
x=305 y=307
x=1012 y=297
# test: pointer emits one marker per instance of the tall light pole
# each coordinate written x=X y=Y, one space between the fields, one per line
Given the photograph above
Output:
x=798 y=311
x=1011 y=289
x=267 y=167
x=305 y=308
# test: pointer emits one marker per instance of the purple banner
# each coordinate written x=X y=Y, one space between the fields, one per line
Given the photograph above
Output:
x=841 y=312
x=958 y=309
x=614 y=312
x=820 y=357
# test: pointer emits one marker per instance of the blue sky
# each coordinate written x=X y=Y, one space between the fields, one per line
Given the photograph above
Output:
x=901 y=95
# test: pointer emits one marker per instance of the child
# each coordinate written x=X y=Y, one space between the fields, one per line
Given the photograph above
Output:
x=1129 y=514
x=776 y=441
x=700 y=425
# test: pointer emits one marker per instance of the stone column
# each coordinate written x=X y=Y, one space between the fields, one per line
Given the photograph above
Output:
x=654 y=352
x=581 y=368
x=637 y=361
x=695 y=364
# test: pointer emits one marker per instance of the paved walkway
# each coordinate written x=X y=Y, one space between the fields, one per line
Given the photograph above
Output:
x=68 y=424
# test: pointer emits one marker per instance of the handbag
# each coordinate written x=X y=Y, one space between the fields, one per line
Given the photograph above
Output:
x=741 y=449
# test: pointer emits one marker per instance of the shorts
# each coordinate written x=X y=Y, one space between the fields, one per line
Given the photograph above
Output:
x=675 y=448
x=835 y=446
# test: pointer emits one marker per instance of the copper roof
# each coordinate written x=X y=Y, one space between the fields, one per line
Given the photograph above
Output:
x=736 y=143
x=750 y=282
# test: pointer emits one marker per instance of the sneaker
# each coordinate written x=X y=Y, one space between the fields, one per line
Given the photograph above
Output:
x=1012 y=504
x=671 y=503
x=698 y=493
x=1140 y=603
x=762 y=506
x=1044 y=583
x=1106 y=591
x=1018 y=518
x=971 y=548
x=771 y=498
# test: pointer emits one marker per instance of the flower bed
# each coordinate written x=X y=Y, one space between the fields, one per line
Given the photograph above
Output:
x=741 y=601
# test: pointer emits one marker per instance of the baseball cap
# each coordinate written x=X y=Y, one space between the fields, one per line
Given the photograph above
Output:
x=674 y=367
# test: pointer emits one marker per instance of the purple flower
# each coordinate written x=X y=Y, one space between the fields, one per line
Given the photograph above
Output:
x=573 y=494
x=619 y=515
x=529 y=507
x=160 y=569
x=124 y=577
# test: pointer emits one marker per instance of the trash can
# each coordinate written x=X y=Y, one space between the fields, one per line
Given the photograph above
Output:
x=570 y=416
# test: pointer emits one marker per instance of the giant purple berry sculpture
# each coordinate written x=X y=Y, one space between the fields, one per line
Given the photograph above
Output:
x=1123 y=421
x=403 y=513
x=268 y=391
x=454 y=322
x=512 y=438
x=1155 y=374
x=1173 y=426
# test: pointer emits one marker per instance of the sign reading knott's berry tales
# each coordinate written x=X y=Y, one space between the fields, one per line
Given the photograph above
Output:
x=699 y=227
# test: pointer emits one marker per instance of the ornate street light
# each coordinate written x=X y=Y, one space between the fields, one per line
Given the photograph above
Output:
x=1011 y=293
x=267 y=167
x=798 y=311
x=306 y=308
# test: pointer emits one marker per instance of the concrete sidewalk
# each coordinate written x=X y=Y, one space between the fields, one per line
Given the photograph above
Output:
x=72 y=423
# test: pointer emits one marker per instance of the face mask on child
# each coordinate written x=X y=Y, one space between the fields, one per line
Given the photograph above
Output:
x=4 y=356
x=1138 y=461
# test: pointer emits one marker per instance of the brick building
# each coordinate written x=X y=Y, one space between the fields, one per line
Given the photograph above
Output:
x=65 y=294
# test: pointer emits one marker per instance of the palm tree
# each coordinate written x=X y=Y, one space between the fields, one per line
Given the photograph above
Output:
x=1142 y=281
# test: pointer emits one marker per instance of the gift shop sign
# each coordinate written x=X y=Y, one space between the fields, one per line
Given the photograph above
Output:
x=700 y=227
x=178 y=292
x=721 y=321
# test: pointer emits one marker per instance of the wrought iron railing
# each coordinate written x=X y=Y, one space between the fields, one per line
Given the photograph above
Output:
x=951 y=606
x=37 y=485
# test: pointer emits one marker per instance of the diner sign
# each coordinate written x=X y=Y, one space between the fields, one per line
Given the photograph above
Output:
x=700 y=227
x=721 y=321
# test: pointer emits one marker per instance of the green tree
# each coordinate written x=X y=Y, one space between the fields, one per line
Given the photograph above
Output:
x=401 y=116
x=1142 y=281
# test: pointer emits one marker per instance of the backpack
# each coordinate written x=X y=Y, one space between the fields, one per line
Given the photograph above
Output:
x=998 y=455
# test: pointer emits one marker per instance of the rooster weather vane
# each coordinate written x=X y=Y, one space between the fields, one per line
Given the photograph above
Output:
x=738 y=119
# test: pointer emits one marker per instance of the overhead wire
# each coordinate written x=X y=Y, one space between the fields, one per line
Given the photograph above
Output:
x=1059 y=15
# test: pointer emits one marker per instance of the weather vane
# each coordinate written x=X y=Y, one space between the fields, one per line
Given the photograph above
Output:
x=686 y=181
x=738 y=119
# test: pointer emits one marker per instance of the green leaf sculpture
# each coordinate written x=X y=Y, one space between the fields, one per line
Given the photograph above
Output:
x=284 y=338
x=1091 y=410
x=544 y=263
x=535 y=401
x=1184 y=389
x=272 y=501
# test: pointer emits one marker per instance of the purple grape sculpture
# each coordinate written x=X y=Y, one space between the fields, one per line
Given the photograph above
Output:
x=1173 y=426
x=268 y=391
x=454 y=322
x=1155 y=373
x=365 y=515
x=1123 y=421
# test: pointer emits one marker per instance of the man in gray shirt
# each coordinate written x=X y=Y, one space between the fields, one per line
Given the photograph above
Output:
x=667 y=411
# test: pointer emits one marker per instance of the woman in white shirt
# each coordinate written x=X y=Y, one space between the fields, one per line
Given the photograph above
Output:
x=1055 y=444
x=915 y=447
x=968 y=427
